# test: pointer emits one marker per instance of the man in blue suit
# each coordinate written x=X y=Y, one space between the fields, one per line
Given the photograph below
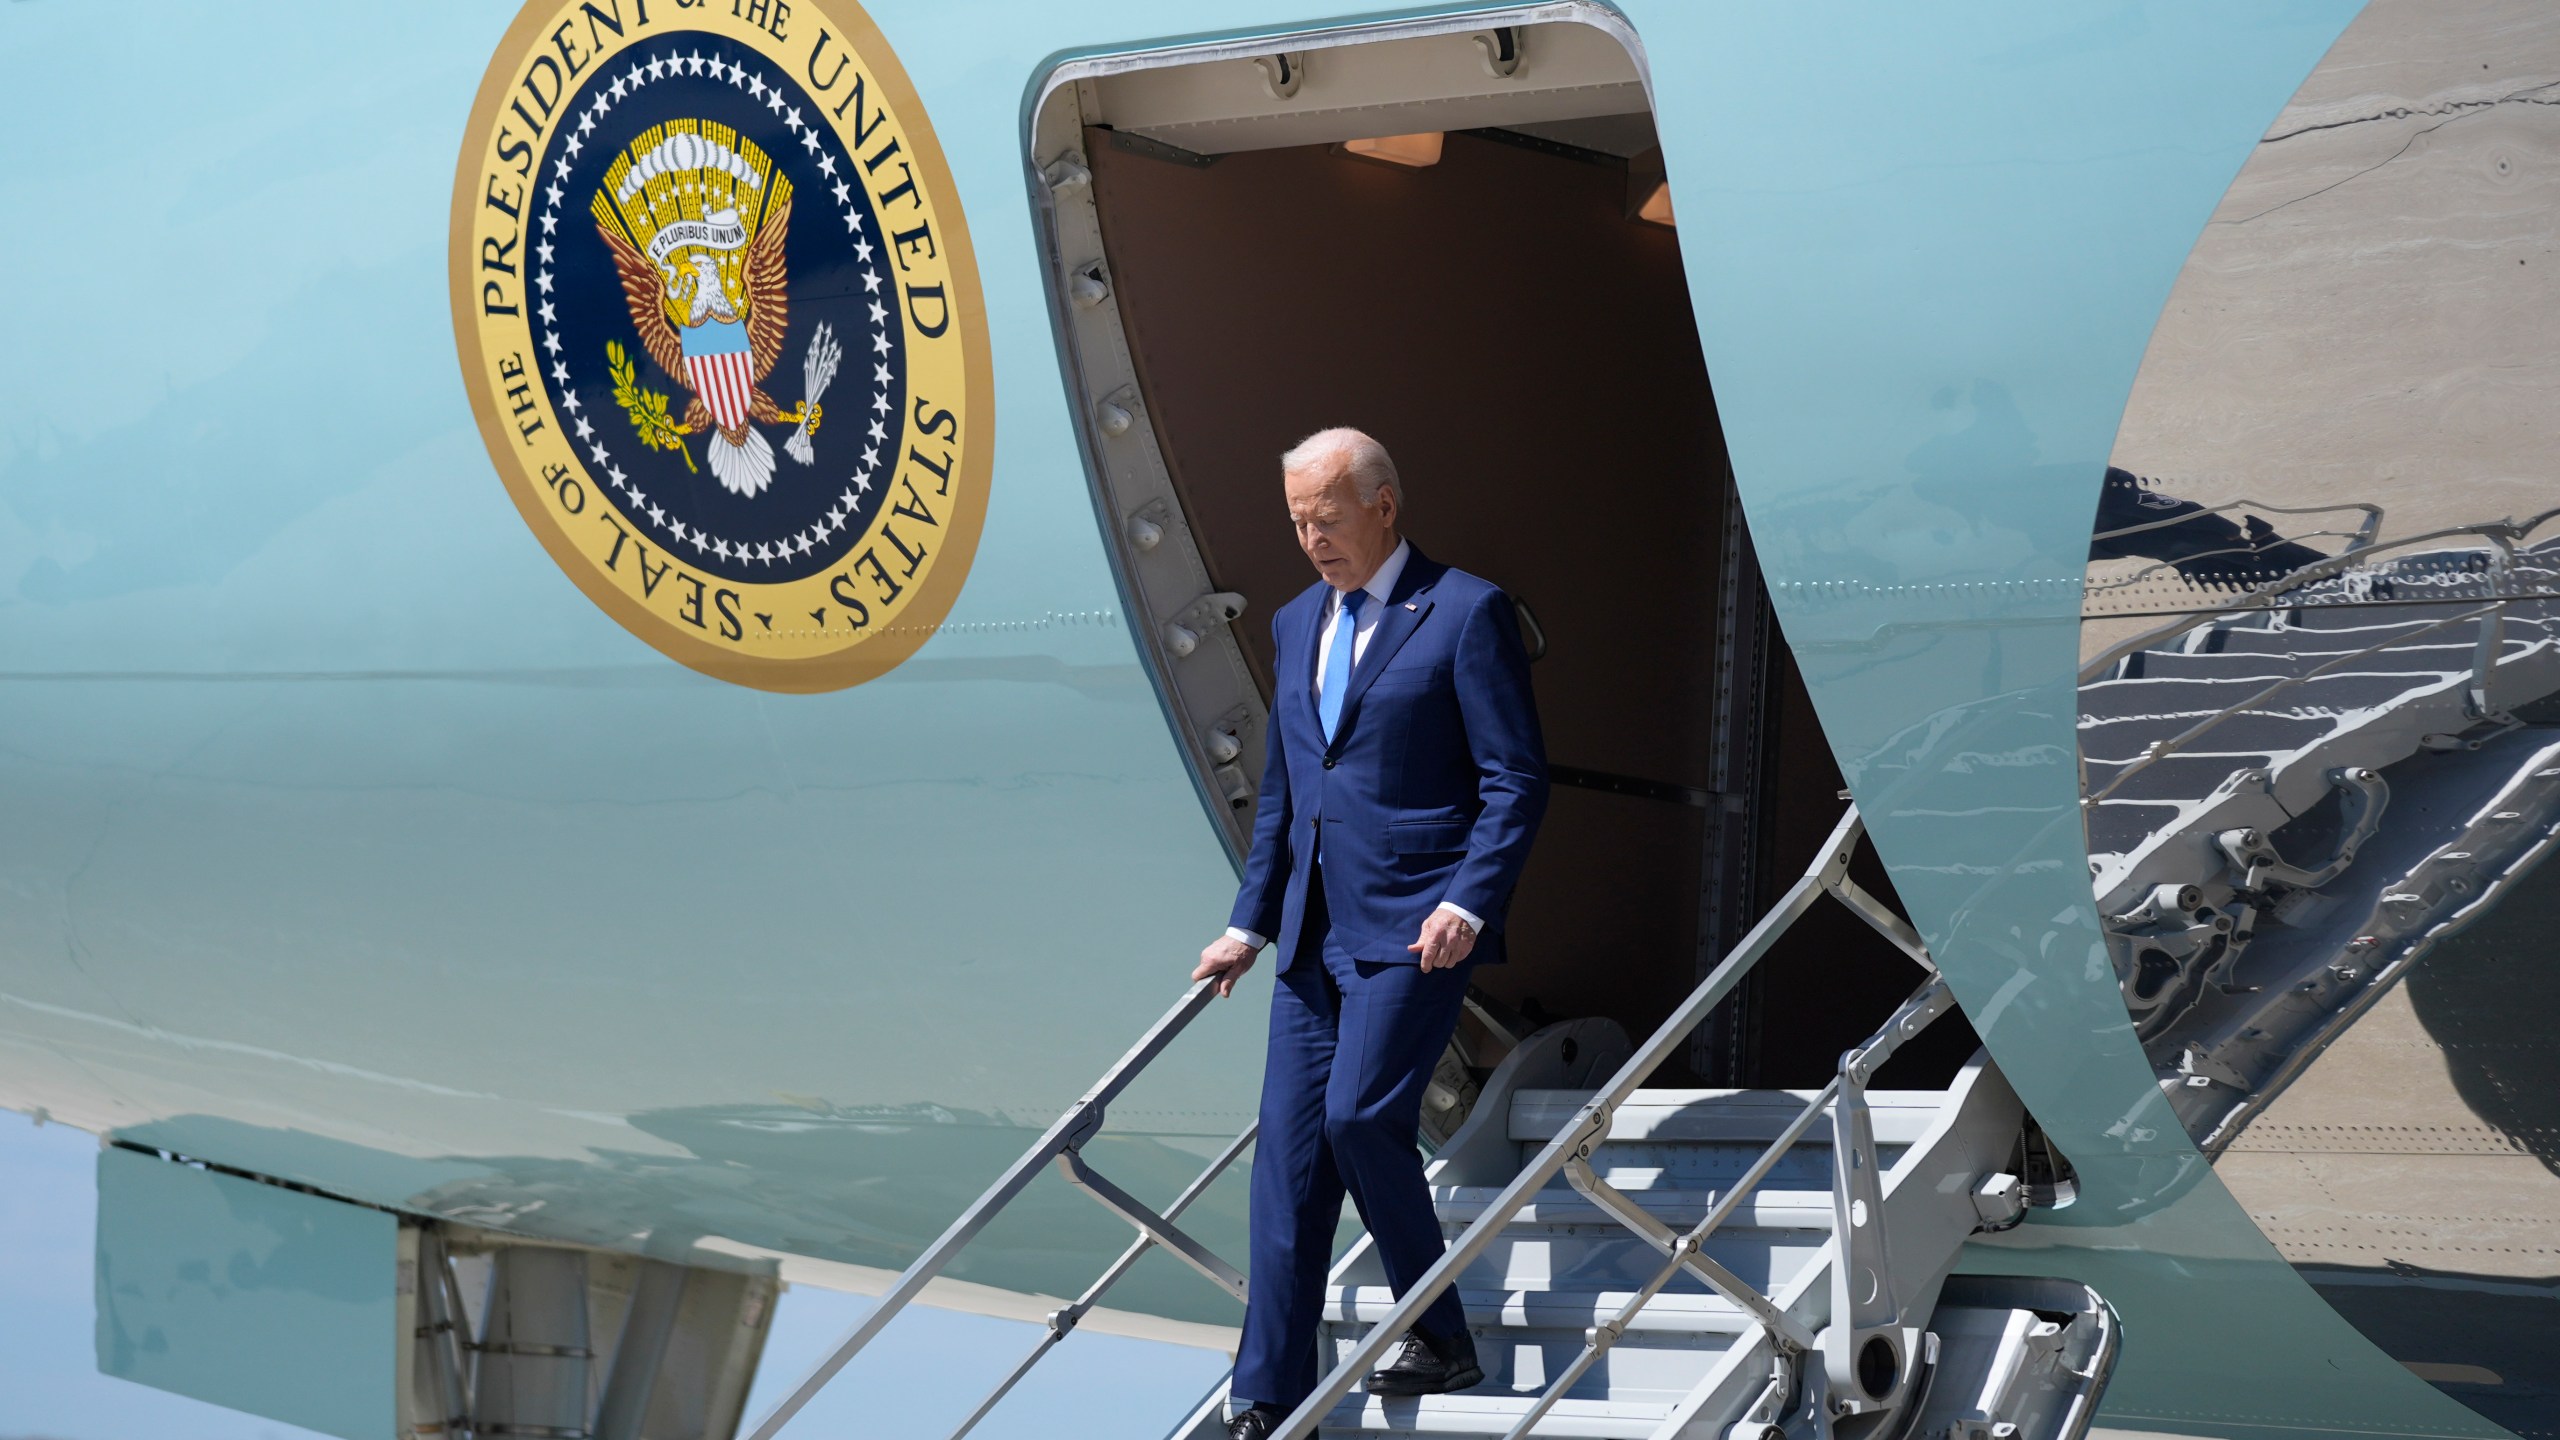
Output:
x=1404 y=784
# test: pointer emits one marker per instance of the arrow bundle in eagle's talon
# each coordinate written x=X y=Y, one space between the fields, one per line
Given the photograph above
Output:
x=816 y=370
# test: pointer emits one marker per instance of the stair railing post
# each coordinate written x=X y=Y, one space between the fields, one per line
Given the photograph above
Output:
x=1865 y=1347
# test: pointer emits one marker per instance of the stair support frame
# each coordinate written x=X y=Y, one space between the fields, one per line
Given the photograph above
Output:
x=1569 y=1153
x=1865 y=1310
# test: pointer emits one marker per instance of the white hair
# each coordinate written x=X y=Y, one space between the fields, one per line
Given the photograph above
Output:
x=1361 y=457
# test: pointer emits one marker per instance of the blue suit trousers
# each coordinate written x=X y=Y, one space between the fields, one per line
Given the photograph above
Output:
x=1353 y=1046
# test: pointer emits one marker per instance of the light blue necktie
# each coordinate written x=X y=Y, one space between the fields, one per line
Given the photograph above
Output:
x=1337 y=662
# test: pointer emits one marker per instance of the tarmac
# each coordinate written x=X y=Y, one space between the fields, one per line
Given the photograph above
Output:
x=2373 y=312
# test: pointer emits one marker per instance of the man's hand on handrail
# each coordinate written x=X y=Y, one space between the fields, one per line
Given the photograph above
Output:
x=1226 y=959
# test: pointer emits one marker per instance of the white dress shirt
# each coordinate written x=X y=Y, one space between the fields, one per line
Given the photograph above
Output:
x=1380 y=586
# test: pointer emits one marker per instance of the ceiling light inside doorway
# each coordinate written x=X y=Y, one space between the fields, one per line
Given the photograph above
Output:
x=1414 y=150
x=1657 y=206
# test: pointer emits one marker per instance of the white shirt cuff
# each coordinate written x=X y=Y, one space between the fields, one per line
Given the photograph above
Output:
x=1475 y=923
x=1246 y=938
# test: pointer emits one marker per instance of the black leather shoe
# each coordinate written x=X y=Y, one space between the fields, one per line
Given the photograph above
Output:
x=1260 y=1424
x=1425 y=1367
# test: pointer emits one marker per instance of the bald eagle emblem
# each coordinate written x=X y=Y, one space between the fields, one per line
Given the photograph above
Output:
x=697 y=218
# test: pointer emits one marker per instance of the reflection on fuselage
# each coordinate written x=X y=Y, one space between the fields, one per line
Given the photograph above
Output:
x=2290 y=798
x=2320 y=702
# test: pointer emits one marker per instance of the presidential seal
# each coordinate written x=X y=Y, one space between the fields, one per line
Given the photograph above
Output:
x=720 y=324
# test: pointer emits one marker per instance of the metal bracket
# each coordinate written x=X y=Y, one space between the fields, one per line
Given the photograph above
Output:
x=1926 y=1004
x=2000 y=1201
x=1067 y=172
x=1866 y=1350
x=1155 y=1227
x=2174 y=902
x=1116 y=412
x=1082 y=1124
x=1146 y=525
x=1884 y=922
x=1225 y=737
x=1282 y=74
x=2501 y=721
x=1089 y=285
x=2254 y=856
x=1765 y=1417
x=1860 y=1348
x=1789 y=1331
x=1182 y=632
x=2484 y=657
x=1218 y=607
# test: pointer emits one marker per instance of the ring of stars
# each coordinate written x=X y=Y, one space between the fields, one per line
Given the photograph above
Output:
x=636 y=502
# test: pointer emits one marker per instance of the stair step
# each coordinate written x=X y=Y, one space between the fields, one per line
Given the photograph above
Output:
x=1475 y=1414
x=1461 y=1205
x=2122 y=739
x=1719 y=1117
x=2263 y=668
x=1645 y=1167
x=2117 y=825
x=1672 y=1312
x=2180 y=777
x=1584 y=1260
x=2373 y=682
x=1646 y=1367
x=2379 y=621
x=2330 y=640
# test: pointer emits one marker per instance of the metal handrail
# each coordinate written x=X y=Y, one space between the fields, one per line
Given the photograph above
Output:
x=1581 y=1136
x=1061 y=1145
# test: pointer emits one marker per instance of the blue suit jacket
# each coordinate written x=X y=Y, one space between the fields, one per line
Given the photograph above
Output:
x=1432 y=788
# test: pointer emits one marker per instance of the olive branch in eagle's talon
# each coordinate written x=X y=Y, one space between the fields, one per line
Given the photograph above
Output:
x=647 y=408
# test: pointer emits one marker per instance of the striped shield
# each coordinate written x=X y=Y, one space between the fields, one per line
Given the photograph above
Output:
x=718 y=365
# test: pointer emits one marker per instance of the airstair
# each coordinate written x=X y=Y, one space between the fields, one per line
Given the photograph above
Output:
x=1669 y=1263
x=2239 y=764
x=1588 y=1327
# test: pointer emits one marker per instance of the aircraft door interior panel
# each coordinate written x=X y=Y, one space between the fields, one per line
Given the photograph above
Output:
x=1513 y=326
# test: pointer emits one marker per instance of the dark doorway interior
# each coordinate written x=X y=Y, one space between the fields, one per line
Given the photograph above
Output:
x=1524 y=346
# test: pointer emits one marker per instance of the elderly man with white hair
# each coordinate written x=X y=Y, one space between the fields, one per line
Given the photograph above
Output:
x=1403 y=787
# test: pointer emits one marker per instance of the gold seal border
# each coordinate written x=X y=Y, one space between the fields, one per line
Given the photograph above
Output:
x=920 y=618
